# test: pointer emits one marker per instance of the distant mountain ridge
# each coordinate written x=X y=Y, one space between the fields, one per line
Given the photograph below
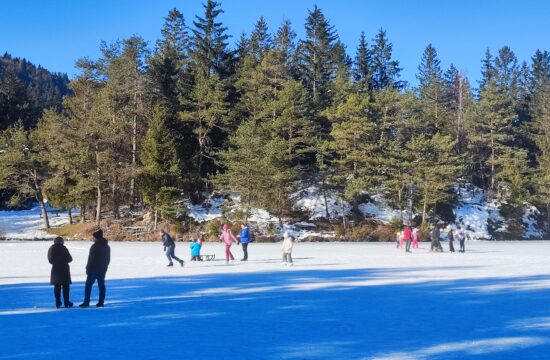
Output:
x=27 y=89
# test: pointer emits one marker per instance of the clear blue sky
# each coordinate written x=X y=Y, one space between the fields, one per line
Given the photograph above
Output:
x=55 y=33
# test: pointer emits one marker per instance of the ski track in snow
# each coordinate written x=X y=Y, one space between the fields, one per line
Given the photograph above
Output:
x=340 y=301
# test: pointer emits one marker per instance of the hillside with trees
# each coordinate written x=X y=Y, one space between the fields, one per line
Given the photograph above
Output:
x=152 y=127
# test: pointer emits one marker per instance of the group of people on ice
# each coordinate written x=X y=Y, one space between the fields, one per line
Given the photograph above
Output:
x=411 y=236
x=99 y=258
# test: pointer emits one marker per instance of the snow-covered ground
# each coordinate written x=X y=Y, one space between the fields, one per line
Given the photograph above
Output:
x=339 y=301
x=27 y=224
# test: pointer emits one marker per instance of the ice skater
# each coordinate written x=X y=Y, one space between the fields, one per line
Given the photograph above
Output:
x=434 y=235
x=415 y=238
x=228 y=238
x=408 y=237
x=170 y=248
x=59 y=257
x=244 y=240
x=461 y=236
x=96 y=268
x=450 y=236
x=195 y=247
x=398 y=239
x=288 y=244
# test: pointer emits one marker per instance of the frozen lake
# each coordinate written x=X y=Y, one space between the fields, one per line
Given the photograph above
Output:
x=339 y=301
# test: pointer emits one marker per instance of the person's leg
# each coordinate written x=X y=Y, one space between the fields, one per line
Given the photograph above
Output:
x=451 y=246
x=228 y=255
x=57 y=295
x=169 y=255
x=173 y=255
x=90 y=279
x=289 y=256
x=245 y=251
x=66 y=291
x=102 y=289
x=408 y=245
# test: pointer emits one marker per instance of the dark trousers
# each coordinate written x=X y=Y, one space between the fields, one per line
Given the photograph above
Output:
x=90 y=280
x=462 y=249
x=245 y=250
x=170 y=254
x=408 y=245
x=451 y=246
x=57 y=293
x=196 y=258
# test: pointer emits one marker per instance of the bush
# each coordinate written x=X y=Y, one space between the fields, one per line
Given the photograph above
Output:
x=385 y=233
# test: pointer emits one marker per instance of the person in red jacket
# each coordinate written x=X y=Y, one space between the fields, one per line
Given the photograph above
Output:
x=407 y=235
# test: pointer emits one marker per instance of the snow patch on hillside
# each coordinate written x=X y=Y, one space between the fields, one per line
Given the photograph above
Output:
x=312 y=200
x=530 y=221
x=379 y=209
x=475 y=212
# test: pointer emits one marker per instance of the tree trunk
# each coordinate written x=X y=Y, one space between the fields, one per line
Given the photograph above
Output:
x=325 y=198
x=410 y=195
x=70 y=215
x=344 y=223
x=116 y=205
x=82 y=214
x=424 y=207
x=44 y=212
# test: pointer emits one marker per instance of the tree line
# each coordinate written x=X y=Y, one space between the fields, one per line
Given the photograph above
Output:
x=149 y=127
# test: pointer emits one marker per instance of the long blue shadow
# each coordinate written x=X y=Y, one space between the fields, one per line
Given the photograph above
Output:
x=317 y=314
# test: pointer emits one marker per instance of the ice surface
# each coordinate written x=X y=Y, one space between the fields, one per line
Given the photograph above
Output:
x=339 y=301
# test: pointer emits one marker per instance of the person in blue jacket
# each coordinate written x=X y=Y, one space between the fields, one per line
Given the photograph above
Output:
x=244 y=239
x=195 y=250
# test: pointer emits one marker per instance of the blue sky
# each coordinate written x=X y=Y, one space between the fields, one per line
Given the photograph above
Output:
x=56 y=33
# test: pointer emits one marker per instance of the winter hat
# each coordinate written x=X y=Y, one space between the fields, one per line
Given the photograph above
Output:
x=225 y=227
x=285 y=234
x=58 y=240
x=97 y=232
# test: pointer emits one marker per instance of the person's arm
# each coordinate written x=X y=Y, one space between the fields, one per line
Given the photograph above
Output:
x=68 y=256
x=108 y=256
x=233 y=237
x=50 y=256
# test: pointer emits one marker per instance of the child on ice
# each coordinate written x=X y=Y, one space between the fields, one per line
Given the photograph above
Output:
x=228 y=238
x=415 y=238
x=196 y=250
x=288 y=243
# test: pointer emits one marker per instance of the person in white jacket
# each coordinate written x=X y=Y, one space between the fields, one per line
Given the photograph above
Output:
x=288 y=243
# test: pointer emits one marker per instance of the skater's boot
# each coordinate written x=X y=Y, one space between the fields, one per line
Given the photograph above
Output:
x=58 y=304
x=68 y=304
x=85 y=304
x=171 y=264
x=100 y=304
x=182 y=262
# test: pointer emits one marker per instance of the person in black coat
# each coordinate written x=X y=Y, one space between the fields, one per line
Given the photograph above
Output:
x=169 y=247
x=98 y=262
x=59 y=257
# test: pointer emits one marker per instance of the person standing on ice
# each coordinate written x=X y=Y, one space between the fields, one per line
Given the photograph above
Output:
x=450 y=236
x=228 y=238
x=96 y=268
x=244 y=239
x=407 y=235
x=170 y=248
x=398 y=239
x=288 y=244
x=434 y=235
x=415 y=238
x=461 y=238
x=59 y=257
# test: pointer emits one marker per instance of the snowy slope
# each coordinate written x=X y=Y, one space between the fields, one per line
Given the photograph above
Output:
x=339 y=301
x=475 y=211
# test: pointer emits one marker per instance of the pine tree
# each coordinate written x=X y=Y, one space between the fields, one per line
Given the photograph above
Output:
x=362 y=69
x=260 y=40
x=385 y=70
x=160 y=168
x=284 y=44
x=431 y=90
x=317 y=66
x=209 y=44
x=24 y=166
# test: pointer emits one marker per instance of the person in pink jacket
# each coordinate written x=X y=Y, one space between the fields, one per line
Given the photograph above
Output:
x=228 y=238
x=415 y=238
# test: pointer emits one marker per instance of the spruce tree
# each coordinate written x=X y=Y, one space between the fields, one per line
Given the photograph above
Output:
x=260 y=40
x=385 y=70
x=362 y=66
x=431 y=90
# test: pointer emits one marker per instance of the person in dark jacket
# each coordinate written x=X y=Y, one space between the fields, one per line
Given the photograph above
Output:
x=434 y=235
x=450 y=236
x=59 y=257
x=170 y=247
x=244 y=239
x=96 y=269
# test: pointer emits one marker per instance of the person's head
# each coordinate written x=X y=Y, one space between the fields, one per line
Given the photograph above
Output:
x=58 y=240
x=458 y=227
x=286 y=234
x=194 y=240
x=225 y=227
x=162 y=232
x=97 y=233
x=201 y=236
x=243 y=225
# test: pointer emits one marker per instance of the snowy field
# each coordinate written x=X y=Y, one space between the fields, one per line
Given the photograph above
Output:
x=339 y=301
